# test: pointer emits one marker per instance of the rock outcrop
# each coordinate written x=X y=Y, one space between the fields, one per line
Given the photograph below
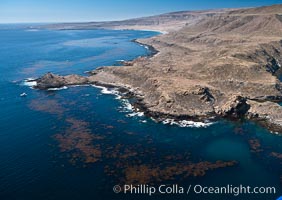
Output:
x=51 y=80
x=235 y=107
x=269 y=114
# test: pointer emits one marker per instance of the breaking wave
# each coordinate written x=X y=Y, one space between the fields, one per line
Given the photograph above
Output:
x=30 y=82
x=186 y=123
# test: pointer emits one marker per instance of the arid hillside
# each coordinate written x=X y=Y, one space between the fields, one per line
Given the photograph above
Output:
x=222 y=64
x=164 y=22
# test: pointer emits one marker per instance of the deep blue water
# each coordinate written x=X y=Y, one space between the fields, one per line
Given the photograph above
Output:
x=78 y=143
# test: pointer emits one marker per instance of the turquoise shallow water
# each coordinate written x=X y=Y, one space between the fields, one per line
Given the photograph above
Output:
x=78 y=143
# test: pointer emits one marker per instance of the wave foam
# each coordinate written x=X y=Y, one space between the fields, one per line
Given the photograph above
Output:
x=105 y=90
x=186 y=123
x=126 y=106
x=145 y=46
x=138 y=114
x=30 y=82
x=56 y=89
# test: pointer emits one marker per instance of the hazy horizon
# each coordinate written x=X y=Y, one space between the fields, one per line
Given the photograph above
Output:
x=32 y=11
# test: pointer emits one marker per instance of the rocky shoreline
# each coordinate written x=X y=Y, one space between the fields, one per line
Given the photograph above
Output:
x=238 y=108
x=223 y=66
x=52 y=81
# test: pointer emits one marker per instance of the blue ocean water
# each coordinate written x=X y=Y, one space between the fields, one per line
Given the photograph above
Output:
x=78 y=143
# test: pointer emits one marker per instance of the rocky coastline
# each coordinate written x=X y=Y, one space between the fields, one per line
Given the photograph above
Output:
x=223 y=66
x=237 y=109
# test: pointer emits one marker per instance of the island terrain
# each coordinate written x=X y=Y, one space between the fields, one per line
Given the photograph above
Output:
x=208 y=65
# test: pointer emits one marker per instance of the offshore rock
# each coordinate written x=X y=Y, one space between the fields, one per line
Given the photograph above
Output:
x=50 y=80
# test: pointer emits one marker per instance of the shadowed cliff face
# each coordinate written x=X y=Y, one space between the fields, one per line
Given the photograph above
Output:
x=224 y=64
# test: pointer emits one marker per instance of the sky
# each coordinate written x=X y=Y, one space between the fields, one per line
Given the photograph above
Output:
x=36 y=11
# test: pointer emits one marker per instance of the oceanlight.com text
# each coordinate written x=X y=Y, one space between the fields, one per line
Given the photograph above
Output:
x=196 y=189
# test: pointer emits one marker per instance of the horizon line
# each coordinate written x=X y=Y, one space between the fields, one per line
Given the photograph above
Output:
x=123 y=19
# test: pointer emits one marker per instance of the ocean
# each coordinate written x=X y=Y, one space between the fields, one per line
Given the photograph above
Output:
x=79 y=142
